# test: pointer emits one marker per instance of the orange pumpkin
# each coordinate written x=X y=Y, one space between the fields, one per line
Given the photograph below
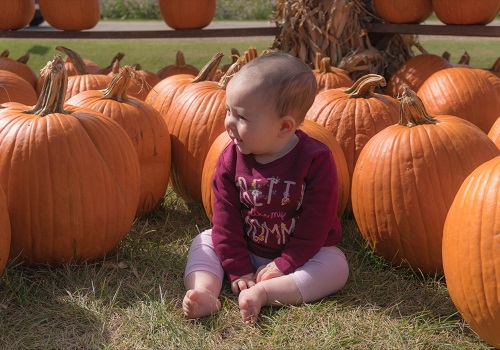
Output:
x=311 y=128
x=466 y=11
x=403 y=11
x=5 y=233
x=329 y=77
x=14 y=88
x=414 y=72
x=70 y=174
x=144 y=126
x=19 y=67
x=354 y=115
x=179 y=67
x=494 y=133
x=471 y=251
x=406 y=178
x=16 y=14
x=463 y=92
x=187 y=14
x=71 y=14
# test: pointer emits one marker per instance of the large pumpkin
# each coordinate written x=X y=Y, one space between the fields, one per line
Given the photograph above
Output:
x=145 y=127
x=466 y=11
x=16 y=14
x=71 y=14
x=406 y=178
x=13 y=88
x=4 y=232
x=187 y=14
x=70 y=174
x=403 y=11
x=354 y=115
x=471 y=251
x=311 y=128
x=472 y=94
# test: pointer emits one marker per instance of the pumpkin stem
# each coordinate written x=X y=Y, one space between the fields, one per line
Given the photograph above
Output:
x=228 y=75
x=24 y=58
x=446 y=55
x=116 y=59
x=180 y=61
x=5 y=53
x=52 y=95
x=412 y=110
x=496 y=65
x=80 y=66
x=250 y=54
x=208 y=71
x=117 y=89
x=465 y=59
x=364 y=86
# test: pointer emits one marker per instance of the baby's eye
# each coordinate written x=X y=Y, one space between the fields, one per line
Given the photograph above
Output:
x=241 y=117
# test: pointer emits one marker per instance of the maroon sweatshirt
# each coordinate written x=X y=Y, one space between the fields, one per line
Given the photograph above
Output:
x=284 y=210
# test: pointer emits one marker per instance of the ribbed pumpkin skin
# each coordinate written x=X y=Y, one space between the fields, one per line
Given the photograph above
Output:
x=466 y=11
x=149 y=134
x=72 y=183
x=195 y=120
x=187 y=14
x=16 y=14
x=4 y=232
x=71 y=14
x=414 y=72
x=471 y=251
x=353 y=121
x=494 y=133
x=14 y=88
x=405 y=181
x=462 y=92
x=403 y=11
x=311 y=128
x=19 y=68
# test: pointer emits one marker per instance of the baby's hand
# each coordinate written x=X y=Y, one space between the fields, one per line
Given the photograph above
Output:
x=242 y=283
x=266 y=272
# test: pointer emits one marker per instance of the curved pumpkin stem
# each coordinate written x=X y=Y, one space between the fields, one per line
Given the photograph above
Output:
x=54 y=86
x=5 y=53
x=465 y=59
x=117 y=89
x=80 y=66
x=235 y=67
x=116 y=59
x=24 y=58
x=364 y=86
x=412 y=110
x=496 y=65
x=208 y=71
x=446 y=55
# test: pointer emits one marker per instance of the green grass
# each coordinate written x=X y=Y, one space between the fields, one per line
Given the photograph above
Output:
x=156 y=54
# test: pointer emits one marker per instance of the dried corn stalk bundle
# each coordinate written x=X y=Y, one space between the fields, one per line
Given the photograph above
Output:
x=335 y=29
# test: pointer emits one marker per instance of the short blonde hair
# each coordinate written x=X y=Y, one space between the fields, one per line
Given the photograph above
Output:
x=283 y=79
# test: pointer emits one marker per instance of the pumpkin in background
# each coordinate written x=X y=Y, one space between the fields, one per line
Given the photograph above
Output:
x=463 y=92
x=471 y=251
x=329 y=77
x=466 y=11
x=179 y=67
x=311 y=128
x=70 y=174
x=16 y=14
x=84 y=80
x=414 y=72
x=494 y=133
x=354 y=115
x=406 y=178
x=71 y=14
x=146 y=129
x=187 y=14
x=495 y=68
x=5 y=234
x=14 y=88
x=19 y=67
x=403 y=11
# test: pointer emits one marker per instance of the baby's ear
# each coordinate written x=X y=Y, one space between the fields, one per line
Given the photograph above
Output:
x=288 y=125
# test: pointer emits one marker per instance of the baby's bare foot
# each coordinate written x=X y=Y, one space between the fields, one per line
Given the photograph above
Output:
x=251 y=300
x=200 y=303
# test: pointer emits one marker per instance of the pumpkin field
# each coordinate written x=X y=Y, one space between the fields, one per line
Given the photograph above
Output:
x=108 y=148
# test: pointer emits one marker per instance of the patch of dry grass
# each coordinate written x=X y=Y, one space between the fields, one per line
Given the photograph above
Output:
x=131 y=300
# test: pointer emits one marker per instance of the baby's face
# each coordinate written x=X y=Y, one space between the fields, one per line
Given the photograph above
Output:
x=251 y=119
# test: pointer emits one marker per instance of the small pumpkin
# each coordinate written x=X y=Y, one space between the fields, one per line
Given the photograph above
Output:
x=74 y=15
x=403 y=11
x=70 y=174
x=471 y=251
x=406 y=178
x=187 y=14
x=16 y=14
x=19 y=67
x=329 y=77
x=179 y=67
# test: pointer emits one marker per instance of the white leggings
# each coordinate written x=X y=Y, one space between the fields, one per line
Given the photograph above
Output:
x=324 y=274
